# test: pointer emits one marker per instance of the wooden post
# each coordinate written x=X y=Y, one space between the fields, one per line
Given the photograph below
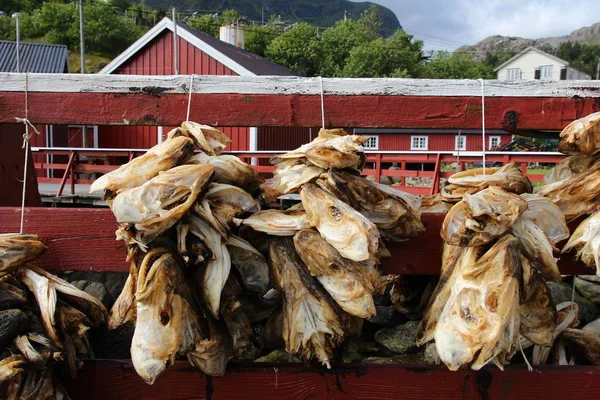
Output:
x=378 y=168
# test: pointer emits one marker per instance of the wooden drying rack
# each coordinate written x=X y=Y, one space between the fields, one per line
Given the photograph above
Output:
x=83 y=239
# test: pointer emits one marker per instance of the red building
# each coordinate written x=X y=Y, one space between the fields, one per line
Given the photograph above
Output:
x=198 y=53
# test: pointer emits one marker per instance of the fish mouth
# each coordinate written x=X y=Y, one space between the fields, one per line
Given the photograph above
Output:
x=149 y=369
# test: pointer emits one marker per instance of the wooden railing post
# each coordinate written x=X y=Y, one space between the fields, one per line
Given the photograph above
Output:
x=378 y=168
x=66 y=173
x=435 y=185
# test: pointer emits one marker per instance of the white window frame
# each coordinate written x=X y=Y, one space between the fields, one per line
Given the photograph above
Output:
x=368 y=145
x=513 y=74
x=464 y=143
x=412 y=142
x=546 y=71
x=491 y=138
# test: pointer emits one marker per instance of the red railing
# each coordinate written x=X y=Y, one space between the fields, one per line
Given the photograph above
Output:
x=79 y=164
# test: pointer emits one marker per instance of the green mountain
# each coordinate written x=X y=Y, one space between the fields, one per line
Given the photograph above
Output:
x=315 y=12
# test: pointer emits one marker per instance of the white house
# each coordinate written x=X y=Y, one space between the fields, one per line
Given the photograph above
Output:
x=534 y=63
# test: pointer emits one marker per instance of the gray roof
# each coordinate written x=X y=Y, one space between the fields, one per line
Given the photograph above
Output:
x=252 y=62
x=34 y=57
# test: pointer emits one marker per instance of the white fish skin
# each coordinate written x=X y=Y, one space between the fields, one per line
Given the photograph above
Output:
x=277 y=223
x=17 y=249
x=217 y=270
x=353 y=235
x=586 y=241
x=547 y=216
x=536 y=247
x=232 y=195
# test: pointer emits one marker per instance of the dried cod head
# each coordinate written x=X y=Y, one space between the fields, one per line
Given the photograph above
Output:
x=581 y=136
x=354 y=236
x=536 y=247
x=277 y=223
x=230 y=170
x=138 y=171
x=208 y=139
x=311 y=327
x=586 y=242
x=147 y=211
x=547 y=216
x=480 y=321
x=508 y=177
x=252 y=268
x=575 y=196
x=18 y=249
x=289 y=179
x=349 y=283
x=570 y=166
x=480 y=218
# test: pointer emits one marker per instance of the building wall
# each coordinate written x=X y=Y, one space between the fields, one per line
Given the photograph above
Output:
x=574 y=74
x=528 y=62
x=436 y=141
x=284 y=138
x=156 y=58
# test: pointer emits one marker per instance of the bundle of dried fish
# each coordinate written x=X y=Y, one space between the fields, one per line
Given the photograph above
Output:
x=433 y=205
x=586 y=242
x=230 y=170
x=575 y=196
x=396 y=218
x=138 y=171
x=17 y=249
x=277 y=223
x=311 y=326
x=208 y=139
x=547 y=216
x=508 y=177
x=581 y=136
x=146 y=211
x=482 y=217
x=289 y=177
x=570 y=166
x=354 y=236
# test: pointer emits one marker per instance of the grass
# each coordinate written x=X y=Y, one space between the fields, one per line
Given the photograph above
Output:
x=541 y=171
x=93 y=63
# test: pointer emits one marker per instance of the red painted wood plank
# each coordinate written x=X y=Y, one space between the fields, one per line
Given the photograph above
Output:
x=83 y=239
x=117 y=379
x=12 y=164
x=138 y=108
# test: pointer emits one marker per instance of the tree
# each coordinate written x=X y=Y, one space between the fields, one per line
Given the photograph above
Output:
x=338 y=41
x=258 y=38
x=297 y=49
x=457 y=65
x=396 y=56
x=205 y=23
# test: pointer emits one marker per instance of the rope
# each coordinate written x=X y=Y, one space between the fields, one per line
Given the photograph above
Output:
x=187 y=117
x=483 y=122
x=322 y=104
x=26 y=137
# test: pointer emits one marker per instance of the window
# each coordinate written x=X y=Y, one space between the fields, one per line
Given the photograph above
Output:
x=546 y=72
x=494 y=142
x=513 y=74
x=460 y=143
x=372 y=143
x=418 y=142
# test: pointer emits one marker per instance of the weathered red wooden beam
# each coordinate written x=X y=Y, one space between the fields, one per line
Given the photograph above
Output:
x=84 y=239
x=110 y=379
x=511 y=114
x=295 y=101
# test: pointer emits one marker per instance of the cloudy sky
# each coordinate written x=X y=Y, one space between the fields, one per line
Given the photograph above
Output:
x=452 y=23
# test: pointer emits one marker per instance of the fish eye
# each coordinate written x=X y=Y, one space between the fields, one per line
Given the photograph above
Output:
x=335 y=213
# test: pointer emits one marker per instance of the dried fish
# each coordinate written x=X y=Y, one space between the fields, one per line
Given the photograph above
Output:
x=349 y=283
x=219 y=192
x=480 y=321
x=547 y=216
x=138 y=171
x=354 y=236
x=208 y=139
x=289 y=179
x=13 y=322
x=569 y=167
x=536 y=247
x=277 y=223
x=252 y=268
x=586 y=241
x=18 y=249
x=11 y=295
x=575 y=196
x=581 y=136
x=11 y=366
x=433 y=205
x=395 y=217
x=230 y=170
x=482 y=217
x=311 y=327
x=148 y=210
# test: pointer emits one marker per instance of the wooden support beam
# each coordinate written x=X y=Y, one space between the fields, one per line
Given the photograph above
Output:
x=83 y=239
x=295 y=101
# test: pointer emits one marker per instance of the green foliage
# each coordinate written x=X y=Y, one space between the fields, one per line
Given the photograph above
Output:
x=583 y=57
x=297 y=49
x=20 y=6
x=447 y=65
x=120 y=4
x=7 y=28
x=205 y=23
x=258 y=38
x=396 y=56
x=338 y=41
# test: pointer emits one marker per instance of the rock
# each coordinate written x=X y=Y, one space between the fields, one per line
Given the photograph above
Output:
x=383 y=315
x=593 y=328
x=590 y=278
x=278 y=356
x=562 y=292
x=357 y=348
x=113 y=281
x=414 y=358
x=588 y=289
x=431 y=354
x=399 y=339
x=378 y=360
x=96 y=289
